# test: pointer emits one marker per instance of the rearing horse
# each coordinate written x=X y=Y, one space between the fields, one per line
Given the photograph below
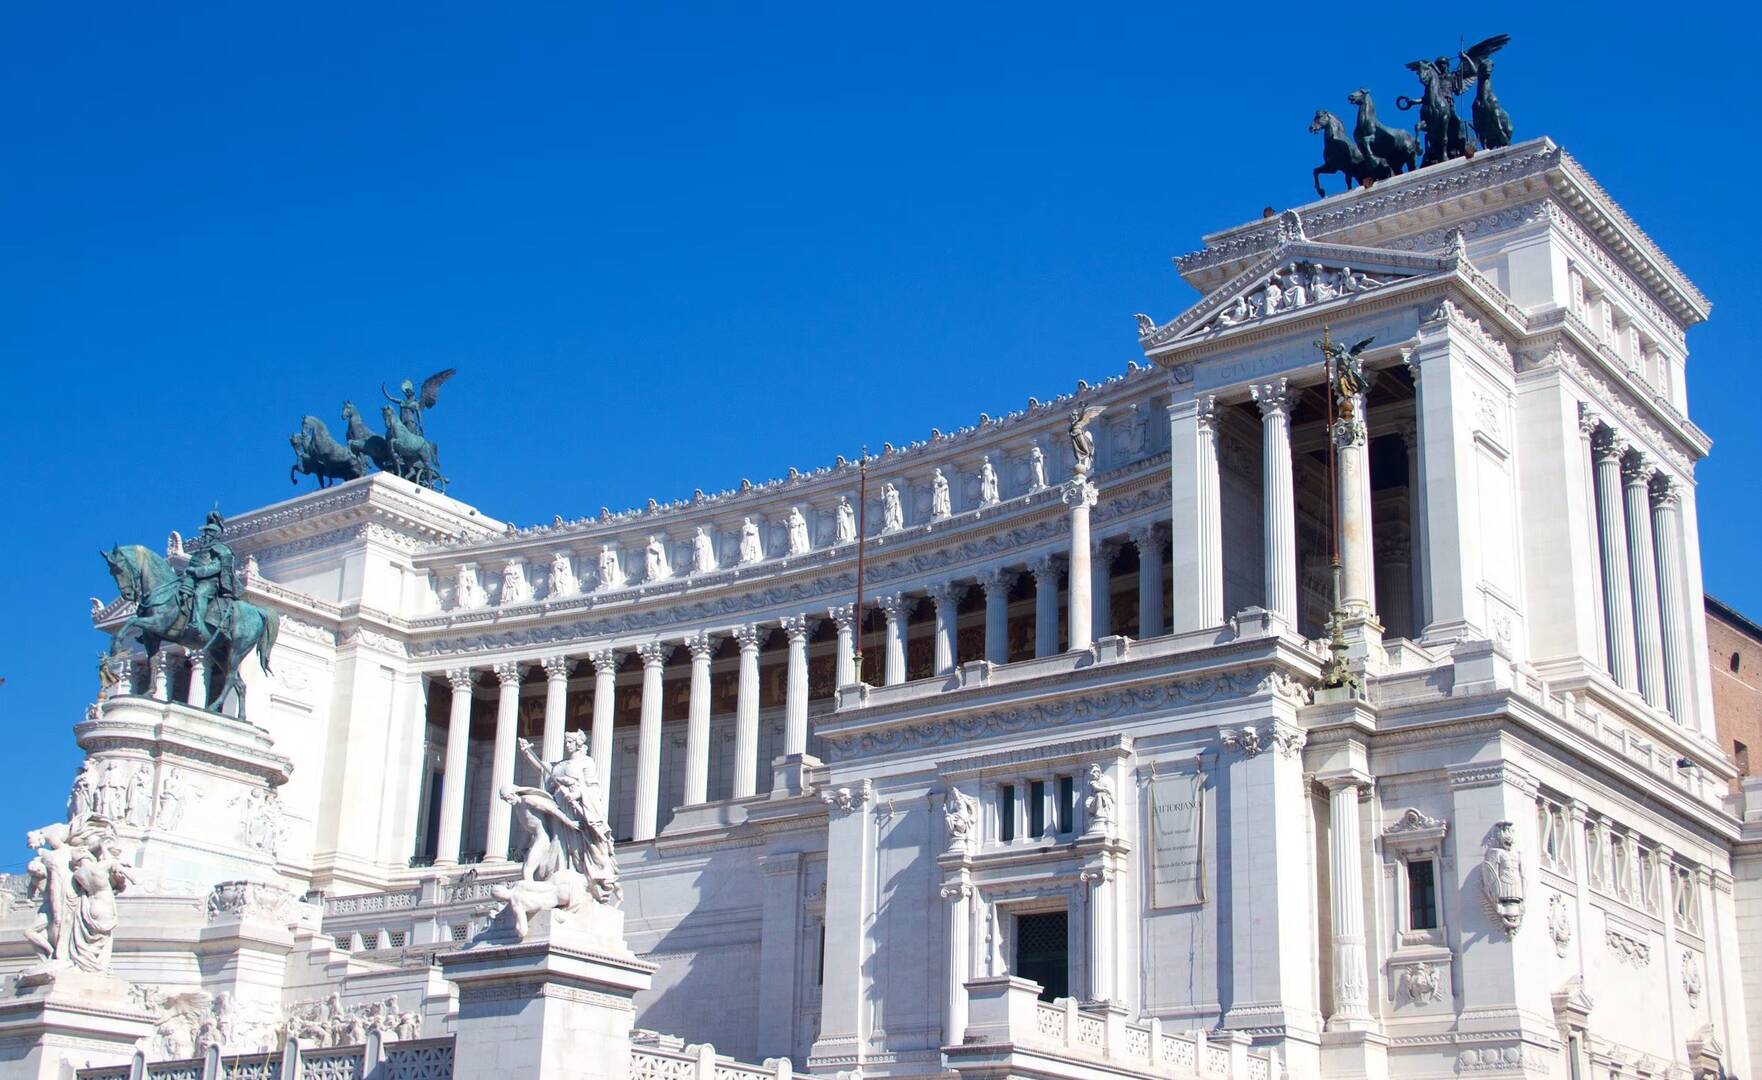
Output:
x=1339 y=153
x=146 y=579
x=413 y=455
x=1388 y=150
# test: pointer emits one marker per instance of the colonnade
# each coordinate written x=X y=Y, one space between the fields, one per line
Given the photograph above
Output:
x=1048 y=571
x=1640 y=547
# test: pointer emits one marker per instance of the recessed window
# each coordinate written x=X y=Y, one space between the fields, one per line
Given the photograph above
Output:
x=1043 y=952
x=1735 y=661
x=1067 y=804
x=1037 y=808
x=1742 y=755
x=1422 y=895
x=1006 y=813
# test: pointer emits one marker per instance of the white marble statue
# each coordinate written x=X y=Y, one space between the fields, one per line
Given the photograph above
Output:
x=172 y=797
x=515 y=589
x=1502 y=877
x=988 y=495
x=563 y=581
x=467 y=589
x=703 y=552
x=846 y=521
x=960 y=813
x=654 y=561
x=751 y=551
x=799 y=543
x=892 y=513
x=83 y=799
x=259 y=819
x=77 y=873
x=140 y=803
x=1083 y=440
x=112 y=800
x=611 y=574
x=1036 y=468
x=940 y=502
x=1100 y=802
x=570 y=862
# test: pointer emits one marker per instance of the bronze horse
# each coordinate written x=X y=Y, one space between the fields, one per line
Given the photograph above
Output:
x=1387 y=150
x=1339 y=153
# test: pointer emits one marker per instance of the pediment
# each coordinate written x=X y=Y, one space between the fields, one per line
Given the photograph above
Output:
x=1297 y=275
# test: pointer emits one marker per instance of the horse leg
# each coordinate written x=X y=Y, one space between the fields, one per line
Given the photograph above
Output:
x=1319 y=169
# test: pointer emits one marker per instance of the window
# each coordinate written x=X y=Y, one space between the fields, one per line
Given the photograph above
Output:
x=461 y=931
x=1043 y=952
x=1067 y=804
x=343 y=941
x=397 y=938
x=1006 y=813
x=1037 y=808
x=1741 y=754
x=1422 y=895
x=1736 y=660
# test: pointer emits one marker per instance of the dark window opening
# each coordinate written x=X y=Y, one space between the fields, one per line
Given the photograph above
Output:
x=1006 y=813
x=820 y=976
x=1422 y=896
x=1067 y=804
x=1742 y=754
x=1037 y=809
x=1043 y=952
x=1735 y=660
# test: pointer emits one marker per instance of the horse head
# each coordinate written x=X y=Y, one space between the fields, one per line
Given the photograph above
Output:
x=1359 y=97
x=127 y=579
x=1326 y=121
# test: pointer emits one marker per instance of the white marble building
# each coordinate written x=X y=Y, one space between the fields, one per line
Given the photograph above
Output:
x=1088 y=748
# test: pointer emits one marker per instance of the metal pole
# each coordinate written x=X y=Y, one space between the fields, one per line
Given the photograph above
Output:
x=862 y=540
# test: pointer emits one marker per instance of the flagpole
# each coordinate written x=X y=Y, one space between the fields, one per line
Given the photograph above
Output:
x=862 y=540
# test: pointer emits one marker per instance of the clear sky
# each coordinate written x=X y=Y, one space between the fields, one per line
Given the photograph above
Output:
x=673 y=247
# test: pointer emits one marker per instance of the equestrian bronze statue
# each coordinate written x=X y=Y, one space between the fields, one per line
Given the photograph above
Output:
x=404 y=450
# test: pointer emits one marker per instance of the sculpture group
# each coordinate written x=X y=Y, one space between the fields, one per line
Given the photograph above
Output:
x=75 y=874
x=1375 y=151
x=200 y=607
x=569 y=864
x=405 y=450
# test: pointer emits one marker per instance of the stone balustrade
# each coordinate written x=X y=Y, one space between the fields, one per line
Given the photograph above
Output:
x=658 y=1057
x=1010 y=1031
x=408 y=1059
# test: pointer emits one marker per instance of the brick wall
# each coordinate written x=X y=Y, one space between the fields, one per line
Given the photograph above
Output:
x=1734 y=647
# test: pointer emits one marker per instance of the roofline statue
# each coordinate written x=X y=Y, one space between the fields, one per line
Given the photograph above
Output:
x=405 y=450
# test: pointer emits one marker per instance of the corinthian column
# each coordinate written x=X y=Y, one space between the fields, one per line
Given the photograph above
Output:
x=1196 y=515
x=599 y=738
x=648 y=743
x=844 y=663
x=1618 y=605
x=159 y=672
x=897 y=608
x=198 y=692
x=1667 y=535
x=1346 y=890
x=1352 y=460
x=1648 y=634
x=1148 y=540
x=746 y=712
x=697 y=720
x=947 y=597
x=795 y=687
x=1279 y=516
x=556 y=705
x=452 y=812
x=1045 y=570
x=1102 y=944
x=1079 y=496
x=1101 y=586
x=959 y=894
x=997 y=584
x=501 y=769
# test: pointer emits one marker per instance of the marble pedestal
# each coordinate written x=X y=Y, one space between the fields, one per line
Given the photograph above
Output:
x=557 y=1004
x=64 y=1019
x=205 y=809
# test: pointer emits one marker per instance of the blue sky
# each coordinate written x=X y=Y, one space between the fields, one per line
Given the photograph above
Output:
x=670 y=247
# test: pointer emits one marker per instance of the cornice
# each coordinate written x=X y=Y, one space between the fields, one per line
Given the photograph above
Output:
x=377 y=507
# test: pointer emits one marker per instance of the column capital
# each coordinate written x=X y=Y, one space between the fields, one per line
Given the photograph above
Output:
x=998 y=578
x=1045 y=565
x=1589 y=420
x=1666 y=493
x=1148 y=539
x=557 y=667
x=1205 y=411
x=654 y=653
x=1275 y=398
x=196 y=656
x=1637 y=469
x=897 y=605
x=701 y=644
x=1411 y=363
x=1608 y=443
x=947 y=592
x=749 y=637
x=845 y=615
x=956 y=891
x=605 y=661
x=461 y=678
x=1105 y=547
x=797 y=627
x=508 y=673
x=1078 y=492
x=1351 y=779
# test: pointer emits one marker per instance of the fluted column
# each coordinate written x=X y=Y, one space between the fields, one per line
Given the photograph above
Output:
x=599 y=738
x=1045 y=570
x=795 y=686
x=1195 y=514
x=1357 y=584
x=997 y=584
x=1673 y=606
x=1588 y=423
x=1079 y=496
x=1279 y=514
x=501 y=769
x=197 y=695
x=1346 y=893
x=746 y=712
x=1102 y=945
x=1101 y=585
x=1618 y=606
x=697 y=720
x=1148 y=541
x=897 y=608
x=556 y=706
x=947 y=597
x=844 y=669
x=452 y=812
x=959 y=894
x=648 y=742
x=1648 y=634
